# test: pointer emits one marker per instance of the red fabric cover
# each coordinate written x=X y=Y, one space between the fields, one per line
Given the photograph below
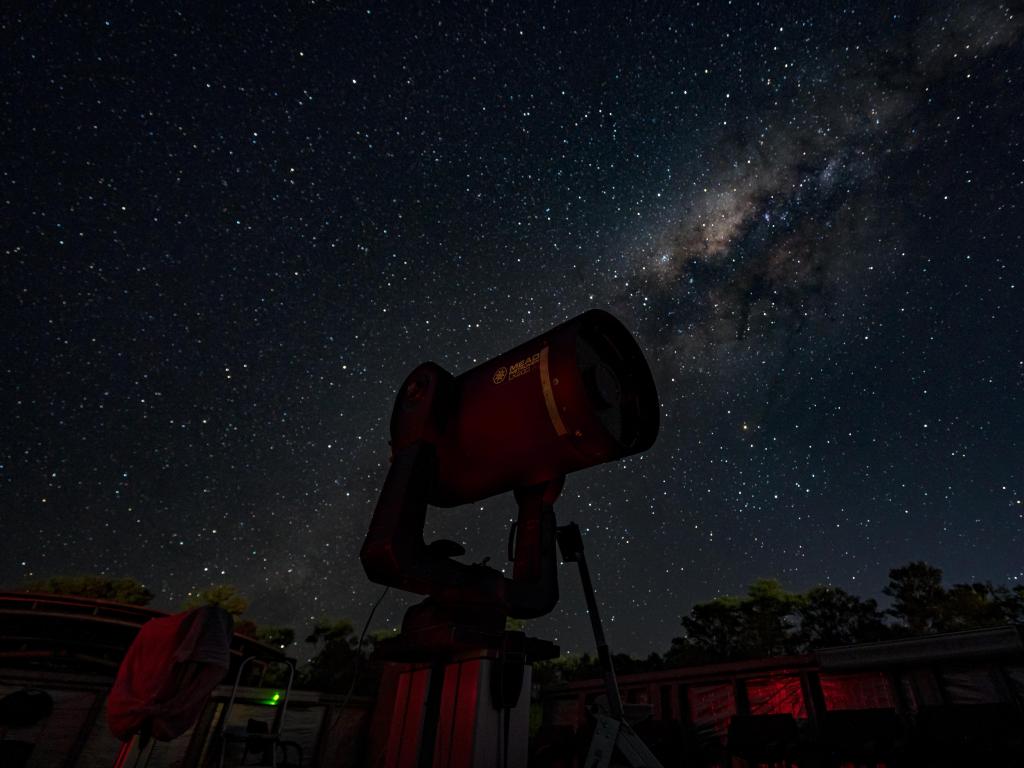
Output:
x=712 y=707
x=776 y=696
x=860 y=690
x=168 y=673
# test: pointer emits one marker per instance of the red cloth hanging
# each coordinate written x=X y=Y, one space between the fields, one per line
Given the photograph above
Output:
x=777 y=696
x=712 y=706
x=858 y=690
x=169 y=672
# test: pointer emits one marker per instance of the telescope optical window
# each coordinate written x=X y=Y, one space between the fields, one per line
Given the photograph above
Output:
x=601 y=365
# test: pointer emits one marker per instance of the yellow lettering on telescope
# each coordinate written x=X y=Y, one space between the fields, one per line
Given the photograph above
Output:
x=523 y=366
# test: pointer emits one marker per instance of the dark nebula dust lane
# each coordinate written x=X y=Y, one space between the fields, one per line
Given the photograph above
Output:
x=229 y=233
x=811 y=198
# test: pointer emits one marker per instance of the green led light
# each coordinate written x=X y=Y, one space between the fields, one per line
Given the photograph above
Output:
x=272 y=701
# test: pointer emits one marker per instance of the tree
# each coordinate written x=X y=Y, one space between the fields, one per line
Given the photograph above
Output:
x=832 y=616
x=759 y=624
x=979 y=605
x=922 y=605
x=918 y=597
x=683 y=653
x=654 y=662
x=334 y=664
x=768 y=620
x=768 y=614
x=1011 y=604
x=276 y=637
x=223 y=596
x=119 y=589
x=714 y=629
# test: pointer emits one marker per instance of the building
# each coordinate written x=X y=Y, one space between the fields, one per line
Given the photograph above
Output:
x=950 y=699
x=62 y=654
x=941 y=700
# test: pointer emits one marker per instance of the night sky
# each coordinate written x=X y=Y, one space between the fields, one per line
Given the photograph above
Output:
x=229 y=233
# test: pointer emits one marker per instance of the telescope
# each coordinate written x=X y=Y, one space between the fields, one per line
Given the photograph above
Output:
x=574 y=397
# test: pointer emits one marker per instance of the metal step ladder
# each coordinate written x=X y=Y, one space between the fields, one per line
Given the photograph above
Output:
x=256 y=736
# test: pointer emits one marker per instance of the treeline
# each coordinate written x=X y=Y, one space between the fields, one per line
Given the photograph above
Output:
x=771 y=621
x=334 y=656
x=767 y=621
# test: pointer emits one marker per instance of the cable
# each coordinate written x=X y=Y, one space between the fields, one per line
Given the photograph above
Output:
x=359 y=656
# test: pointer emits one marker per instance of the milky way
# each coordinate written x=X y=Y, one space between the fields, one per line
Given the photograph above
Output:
x=797 y=209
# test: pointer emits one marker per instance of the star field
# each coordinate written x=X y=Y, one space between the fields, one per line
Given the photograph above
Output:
x=229 y=233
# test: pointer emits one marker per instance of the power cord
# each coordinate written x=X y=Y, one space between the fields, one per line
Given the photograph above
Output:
x=356 y=667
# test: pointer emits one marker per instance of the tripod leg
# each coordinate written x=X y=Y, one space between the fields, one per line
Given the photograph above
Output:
x=570 y=541
x=612 y=733
x=611 y=736
x=634 y=750
x=149 y=752
x=602 y=745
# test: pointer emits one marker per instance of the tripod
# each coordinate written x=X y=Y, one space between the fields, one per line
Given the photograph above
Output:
x=612 y=734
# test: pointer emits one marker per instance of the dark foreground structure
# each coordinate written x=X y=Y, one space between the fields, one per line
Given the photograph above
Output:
x=942 y=700
x=58 y=660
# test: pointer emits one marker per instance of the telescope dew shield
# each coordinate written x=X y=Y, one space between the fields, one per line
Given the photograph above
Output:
x=579 y=395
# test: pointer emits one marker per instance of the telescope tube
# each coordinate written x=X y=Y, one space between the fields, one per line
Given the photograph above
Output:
x=578 y=395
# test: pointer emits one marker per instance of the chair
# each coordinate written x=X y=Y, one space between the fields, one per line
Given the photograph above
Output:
x=257 y=737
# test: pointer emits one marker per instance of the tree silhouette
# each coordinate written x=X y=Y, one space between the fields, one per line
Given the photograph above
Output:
x=768 y=613
x=769 y=621
x=276 y=637
x=832 y=616
x=977 y=605
x=759 y=624
x=119 y=589
x=918 y=597
x=1011 y=603
x=714 y=629
x=224 y=596
x=333 y=665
